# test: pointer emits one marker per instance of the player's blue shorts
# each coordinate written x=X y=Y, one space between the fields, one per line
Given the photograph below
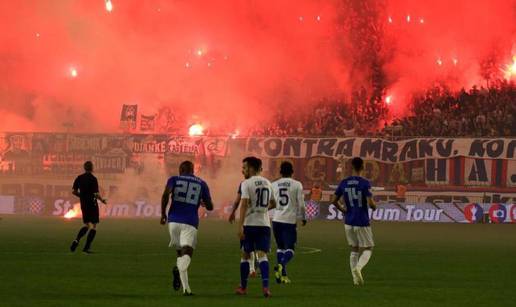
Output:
x=285 y=235
x=256 y=238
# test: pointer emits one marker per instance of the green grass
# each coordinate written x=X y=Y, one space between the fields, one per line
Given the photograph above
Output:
x=412 y=265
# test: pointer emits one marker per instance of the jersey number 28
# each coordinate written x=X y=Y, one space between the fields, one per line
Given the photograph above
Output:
x=191 y=189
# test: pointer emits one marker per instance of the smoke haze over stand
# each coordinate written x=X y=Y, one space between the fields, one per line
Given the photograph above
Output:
x=231 y=61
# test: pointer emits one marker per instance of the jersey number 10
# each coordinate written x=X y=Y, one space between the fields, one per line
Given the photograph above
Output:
x=262 y=197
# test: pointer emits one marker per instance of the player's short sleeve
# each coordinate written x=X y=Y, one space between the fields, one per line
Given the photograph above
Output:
x=76 y=184
x=170 y=183
x=300 y=195
x=205 y=192
x=367 y=188
x=271 y=187
x=340 y=190
x=95 y=185
x=244 y=189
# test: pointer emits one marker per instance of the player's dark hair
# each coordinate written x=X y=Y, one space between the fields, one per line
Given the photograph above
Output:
x=286 y=169
x=88 y=166
x=357 y=163
x=186 y=167
x=253 y=162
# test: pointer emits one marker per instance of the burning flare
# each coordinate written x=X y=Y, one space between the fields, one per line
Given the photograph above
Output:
x=74 y=212
x=195 y=130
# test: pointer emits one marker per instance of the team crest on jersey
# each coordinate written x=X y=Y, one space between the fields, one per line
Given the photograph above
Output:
x=312 y=209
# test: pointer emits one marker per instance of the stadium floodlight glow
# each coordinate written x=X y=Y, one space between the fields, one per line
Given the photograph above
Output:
x=109 y=6
x=195 y=130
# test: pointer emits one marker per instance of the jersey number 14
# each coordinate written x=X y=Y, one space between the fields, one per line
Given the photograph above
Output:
x=354 y=197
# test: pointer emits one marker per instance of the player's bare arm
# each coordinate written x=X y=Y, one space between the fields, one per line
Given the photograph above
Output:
x=76 y=192
x=208 y=205
x=164 y=203
x=302 y=207
x=272 y=204
x=236 y=203
x=103 y=200
x=335 y=201
x=371 y=203
x=243 y=209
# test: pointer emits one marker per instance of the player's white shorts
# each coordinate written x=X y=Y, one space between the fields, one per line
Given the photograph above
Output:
x=182 y=235
x=359 y=236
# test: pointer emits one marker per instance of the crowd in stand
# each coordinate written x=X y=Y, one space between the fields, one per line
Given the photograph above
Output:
x=479 y=112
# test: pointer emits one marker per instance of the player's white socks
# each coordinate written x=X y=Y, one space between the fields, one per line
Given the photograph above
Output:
x=353 y=260
x=251 y=262
x=182 y=264
x=364 y=258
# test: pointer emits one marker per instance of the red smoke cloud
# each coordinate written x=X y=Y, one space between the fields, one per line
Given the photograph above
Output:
x=228 y=61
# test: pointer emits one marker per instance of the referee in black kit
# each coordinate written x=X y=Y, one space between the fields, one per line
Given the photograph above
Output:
x=86 y=187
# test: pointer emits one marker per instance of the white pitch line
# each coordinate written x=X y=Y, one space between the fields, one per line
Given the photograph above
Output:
x=310 y=250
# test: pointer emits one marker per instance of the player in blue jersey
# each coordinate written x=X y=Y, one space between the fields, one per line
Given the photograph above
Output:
x=187 y=193
x=357 y=195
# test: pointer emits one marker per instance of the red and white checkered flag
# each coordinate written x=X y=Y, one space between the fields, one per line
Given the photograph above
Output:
x=312 y=210
x=35 y=206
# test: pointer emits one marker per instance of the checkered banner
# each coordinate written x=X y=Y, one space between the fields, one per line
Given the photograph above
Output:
x=312 y=210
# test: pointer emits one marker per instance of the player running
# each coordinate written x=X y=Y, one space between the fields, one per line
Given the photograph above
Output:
x=254 y=226
x=290 y=201
x=186 y=192
x=356 y=191
x=86 y=187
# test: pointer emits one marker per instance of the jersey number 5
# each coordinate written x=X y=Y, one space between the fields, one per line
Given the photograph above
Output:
x=191 y=190
x=283 y=197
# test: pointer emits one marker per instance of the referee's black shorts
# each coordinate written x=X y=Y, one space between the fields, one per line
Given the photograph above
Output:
x=90 y=212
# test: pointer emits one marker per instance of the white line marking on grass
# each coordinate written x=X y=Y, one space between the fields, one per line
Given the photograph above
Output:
x=309 y=250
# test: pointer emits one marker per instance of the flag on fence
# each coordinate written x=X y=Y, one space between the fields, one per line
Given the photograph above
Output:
x=35 y=205
x=128 y=116
x=215 y=146
x=312 y=210
x=147 y=123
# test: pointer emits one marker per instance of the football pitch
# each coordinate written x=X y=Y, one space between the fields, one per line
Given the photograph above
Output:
x=412 y=265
